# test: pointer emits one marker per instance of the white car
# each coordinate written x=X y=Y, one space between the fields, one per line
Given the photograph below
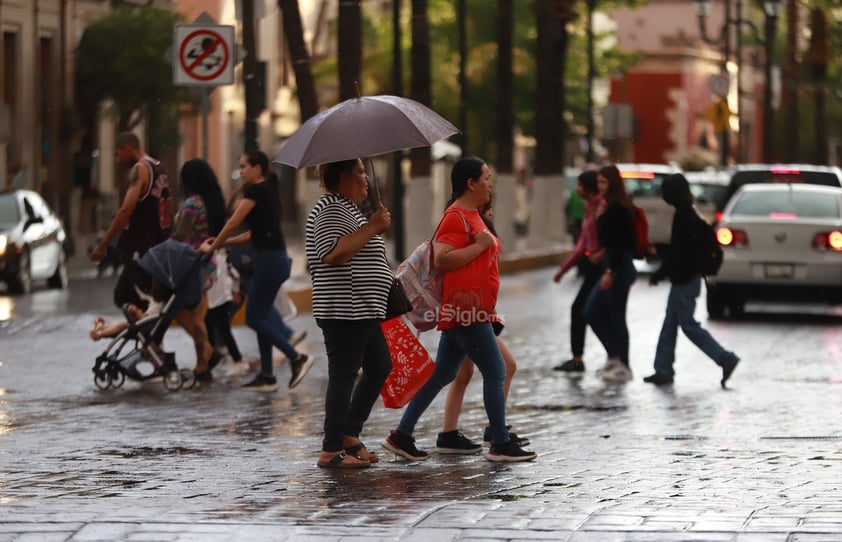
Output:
x=708 y=189
x=643 y=184
x=781 y=242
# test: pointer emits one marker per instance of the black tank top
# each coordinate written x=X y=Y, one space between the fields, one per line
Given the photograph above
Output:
x=151 y=220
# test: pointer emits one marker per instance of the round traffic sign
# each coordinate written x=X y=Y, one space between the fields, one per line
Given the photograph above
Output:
x=204 y=55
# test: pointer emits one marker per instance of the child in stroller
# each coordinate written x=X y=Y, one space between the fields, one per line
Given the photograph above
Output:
x=135 y=350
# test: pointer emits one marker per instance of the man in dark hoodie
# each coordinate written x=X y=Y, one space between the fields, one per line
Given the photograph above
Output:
x=680 y=267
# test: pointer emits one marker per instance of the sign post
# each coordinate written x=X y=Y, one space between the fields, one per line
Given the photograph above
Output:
x=204 y=57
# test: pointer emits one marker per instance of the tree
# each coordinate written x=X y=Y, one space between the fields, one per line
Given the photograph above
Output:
x=421 y=77
x=505 y=87
x=121 y=58
x=300 y=57
x=350 y=43
x=550 y=55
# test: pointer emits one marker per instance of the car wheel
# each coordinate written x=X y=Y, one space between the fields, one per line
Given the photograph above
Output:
x=715 y=303
x=21 y=283
x=59 y=278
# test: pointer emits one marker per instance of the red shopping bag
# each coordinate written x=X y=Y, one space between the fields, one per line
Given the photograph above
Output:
x=411 y=363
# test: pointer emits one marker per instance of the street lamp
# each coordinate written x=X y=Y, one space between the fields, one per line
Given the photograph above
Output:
x=771 y=9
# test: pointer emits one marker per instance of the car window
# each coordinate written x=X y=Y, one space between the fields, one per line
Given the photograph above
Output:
x=707 y=193
x=777 y=175
x=643 y=184
x=9 y=211
x=786 y=203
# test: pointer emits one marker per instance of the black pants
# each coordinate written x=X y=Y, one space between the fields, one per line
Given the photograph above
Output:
x=578 y=325
x=350 y=345
x=218 y=323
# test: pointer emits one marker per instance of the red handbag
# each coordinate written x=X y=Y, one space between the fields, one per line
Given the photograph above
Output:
x=412 y=365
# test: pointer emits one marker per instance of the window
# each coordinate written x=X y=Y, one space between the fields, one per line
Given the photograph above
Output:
x=787 y=202
x=9 y=211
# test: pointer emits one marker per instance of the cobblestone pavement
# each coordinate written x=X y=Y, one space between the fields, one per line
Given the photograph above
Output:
x=757 y=462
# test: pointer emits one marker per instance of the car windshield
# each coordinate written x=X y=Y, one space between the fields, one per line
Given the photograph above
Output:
x=9 y=211
x=707 y=193
x=785 y=175
x=643 y=183
x=786 y=204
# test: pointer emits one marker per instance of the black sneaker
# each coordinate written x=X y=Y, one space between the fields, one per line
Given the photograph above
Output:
x=214 y=360
x=454 y=442
x=727 y=370
x=262 y=383
x=658 y=379
x=509 y=452
x=571 y=366
x=300 y=367
x=404 y=446
x=521 y=441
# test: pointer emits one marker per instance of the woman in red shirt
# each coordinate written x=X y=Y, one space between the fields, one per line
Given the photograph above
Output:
x=466 y=253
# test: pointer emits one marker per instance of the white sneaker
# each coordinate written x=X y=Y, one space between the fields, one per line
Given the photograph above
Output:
x=609 y=366
x=619 y=373
x=236 y=370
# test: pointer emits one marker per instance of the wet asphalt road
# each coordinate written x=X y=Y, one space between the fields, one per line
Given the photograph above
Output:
x=757 y=462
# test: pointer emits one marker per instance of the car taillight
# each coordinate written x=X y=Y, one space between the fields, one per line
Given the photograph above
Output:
x=731 y=238
x=828 y=241
x=717 y=217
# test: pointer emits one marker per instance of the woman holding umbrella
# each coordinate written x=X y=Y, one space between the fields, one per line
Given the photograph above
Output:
x=351 y=282
x=258 y=210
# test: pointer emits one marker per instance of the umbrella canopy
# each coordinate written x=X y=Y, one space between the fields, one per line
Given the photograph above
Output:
x=362 y=127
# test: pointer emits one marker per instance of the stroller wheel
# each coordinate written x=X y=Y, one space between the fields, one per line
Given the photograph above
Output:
x=102 y=379
x=173 y=381
x=188 y=379
x=117 y=378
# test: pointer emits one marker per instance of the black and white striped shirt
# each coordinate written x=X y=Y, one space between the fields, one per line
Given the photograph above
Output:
x=358 y=288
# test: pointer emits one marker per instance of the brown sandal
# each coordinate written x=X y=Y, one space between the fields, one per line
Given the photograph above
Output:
x=359 y=451
x=343 y=461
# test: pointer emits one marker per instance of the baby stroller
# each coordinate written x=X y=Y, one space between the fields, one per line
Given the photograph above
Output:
x=134 y=352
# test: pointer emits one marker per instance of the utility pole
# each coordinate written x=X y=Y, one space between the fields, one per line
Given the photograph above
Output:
x=250 y=79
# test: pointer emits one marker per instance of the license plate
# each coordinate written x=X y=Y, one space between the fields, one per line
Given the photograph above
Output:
x=779 y=270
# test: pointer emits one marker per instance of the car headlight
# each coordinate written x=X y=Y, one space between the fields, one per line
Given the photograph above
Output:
x=3 y=242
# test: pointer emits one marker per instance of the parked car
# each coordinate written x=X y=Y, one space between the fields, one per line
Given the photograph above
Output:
x=32 y=242
x=643 y=184
x=781 y=242
x=708 y=189
x=779 y=173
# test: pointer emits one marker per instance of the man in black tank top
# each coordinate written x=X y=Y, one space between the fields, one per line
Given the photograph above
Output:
x=143 y=220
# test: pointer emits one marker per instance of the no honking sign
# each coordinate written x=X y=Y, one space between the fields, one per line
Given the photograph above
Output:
x=204 y=55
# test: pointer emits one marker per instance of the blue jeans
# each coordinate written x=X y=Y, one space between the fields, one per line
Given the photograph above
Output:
x=272 y=268
x=479 y=342
x=605 y=310
x=681 y=305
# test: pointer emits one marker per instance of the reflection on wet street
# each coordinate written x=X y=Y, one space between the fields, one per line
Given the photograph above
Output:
x=612 y=458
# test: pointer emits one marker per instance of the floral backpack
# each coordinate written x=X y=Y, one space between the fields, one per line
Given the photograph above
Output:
x=422 y=283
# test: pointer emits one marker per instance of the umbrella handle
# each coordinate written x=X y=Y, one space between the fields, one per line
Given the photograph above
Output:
x=379 y=200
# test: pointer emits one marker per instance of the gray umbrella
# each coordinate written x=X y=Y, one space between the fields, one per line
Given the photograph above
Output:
x=362 y=127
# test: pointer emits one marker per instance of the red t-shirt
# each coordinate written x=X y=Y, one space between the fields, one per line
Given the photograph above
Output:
x=469 y=294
